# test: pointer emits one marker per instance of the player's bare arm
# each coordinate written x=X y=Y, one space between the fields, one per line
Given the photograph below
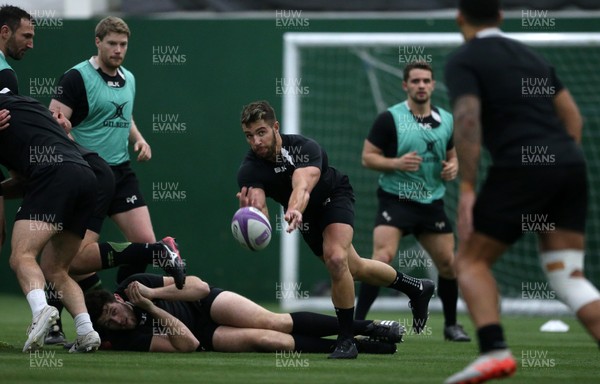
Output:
x=175 y=336
x=450 y=165
x=253 y=197
x=568 y=113
x=194 y=289
x=373 y=158
x=62 y=120
x=62 y=113
x=467 y=133
x=303 y=181
x=139 y=143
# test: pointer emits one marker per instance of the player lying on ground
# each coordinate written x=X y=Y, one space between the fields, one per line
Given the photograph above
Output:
x=148 y=313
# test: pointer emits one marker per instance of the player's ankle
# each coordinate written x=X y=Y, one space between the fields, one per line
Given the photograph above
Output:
x=491 y=337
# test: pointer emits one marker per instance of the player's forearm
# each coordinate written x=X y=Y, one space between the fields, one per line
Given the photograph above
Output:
x=379 y=162
x=134 y=133
x=467 y=131
x=452 y=157
x=299 y=199
x=180 y=336
x=194 y=289
x=303 y=181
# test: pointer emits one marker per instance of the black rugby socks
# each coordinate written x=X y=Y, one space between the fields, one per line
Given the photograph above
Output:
x=366 y=296
x=448 y=294
x=409 y=285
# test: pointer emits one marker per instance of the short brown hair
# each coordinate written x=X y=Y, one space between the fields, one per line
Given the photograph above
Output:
x=258 y=110
x=111 y=24
x=11 y=17
x=417 y=65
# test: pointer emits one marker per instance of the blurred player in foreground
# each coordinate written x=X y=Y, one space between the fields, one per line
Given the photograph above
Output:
x=485 y=80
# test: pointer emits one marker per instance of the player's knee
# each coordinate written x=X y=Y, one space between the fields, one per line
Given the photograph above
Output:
x=383 y=255
x=462 y=264
x=272 y=341
x=564 y=269
x=336 y=262
x=13 y=261
x=18 y=258
x=52 y=273
x=445 y=268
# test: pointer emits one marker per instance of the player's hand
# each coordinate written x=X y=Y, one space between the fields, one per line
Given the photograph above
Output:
x=409 y=162
x=244 y=196
x=449 y=170
x=464 y=224
x=134 y=292
x=145 y=152
x=4 y=118
x=62 y=120
x=293 y=218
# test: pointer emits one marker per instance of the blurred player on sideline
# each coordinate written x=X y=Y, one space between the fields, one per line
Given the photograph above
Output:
x=491 y=106
x=318 y=201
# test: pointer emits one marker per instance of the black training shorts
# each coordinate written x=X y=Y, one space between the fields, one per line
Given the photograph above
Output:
x=106 y=190
x=206 y=325
x=127 y=191
x=59 y=197
x=410 y=216
x=339 y=208
x=538 y=199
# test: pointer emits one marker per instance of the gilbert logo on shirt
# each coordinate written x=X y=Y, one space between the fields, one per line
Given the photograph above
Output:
x=118 y=120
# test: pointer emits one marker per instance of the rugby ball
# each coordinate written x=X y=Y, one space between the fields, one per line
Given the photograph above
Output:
x=251 y=228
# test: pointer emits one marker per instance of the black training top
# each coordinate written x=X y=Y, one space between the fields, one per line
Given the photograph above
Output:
x=8 y=79
x=34 y=139
x=275 y=178
x=516 y=87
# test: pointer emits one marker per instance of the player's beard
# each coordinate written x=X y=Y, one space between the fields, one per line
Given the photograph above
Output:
x=420 y=100
x=12 y=50
x=110 y=62
x=270 y=152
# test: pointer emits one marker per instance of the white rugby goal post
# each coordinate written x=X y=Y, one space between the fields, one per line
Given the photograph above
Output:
x=346 y=72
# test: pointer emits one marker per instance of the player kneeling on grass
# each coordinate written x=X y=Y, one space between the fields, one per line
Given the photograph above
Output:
x=148 y=313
